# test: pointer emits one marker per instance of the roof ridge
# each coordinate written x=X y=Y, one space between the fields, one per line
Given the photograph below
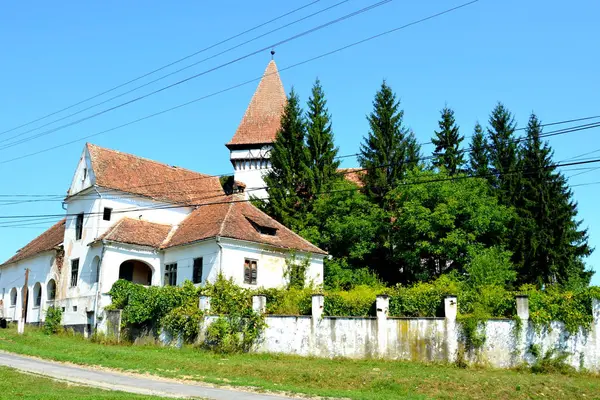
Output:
x=146 y=159
x=230 y=199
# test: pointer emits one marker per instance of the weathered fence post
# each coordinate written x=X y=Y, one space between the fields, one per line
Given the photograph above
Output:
x=382 y=305
x=318 y=303
x=204 y=303
x=259 y=304
x=450 y=312
x=113 y=324
x=523 y=307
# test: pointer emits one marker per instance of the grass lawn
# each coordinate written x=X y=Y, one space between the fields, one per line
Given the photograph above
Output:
x=17 y=385
x=366 y=379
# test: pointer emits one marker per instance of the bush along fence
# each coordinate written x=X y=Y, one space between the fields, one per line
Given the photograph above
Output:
x=501 y=343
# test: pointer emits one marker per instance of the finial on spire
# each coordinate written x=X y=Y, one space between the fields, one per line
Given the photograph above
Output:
x=272 y=53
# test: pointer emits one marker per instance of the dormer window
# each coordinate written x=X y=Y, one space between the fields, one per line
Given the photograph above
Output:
x=84 y=174
x=263 y=229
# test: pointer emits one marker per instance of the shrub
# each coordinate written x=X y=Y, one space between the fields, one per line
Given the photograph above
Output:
x=183 y=320
x=552 y=362
x=288 y=302
x=422 y=299
x=359 y=302
x=53 y=319
x=491 y=266
x=236 y=332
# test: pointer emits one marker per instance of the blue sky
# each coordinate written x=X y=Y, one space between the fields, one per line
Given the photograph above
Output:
x=532 y=55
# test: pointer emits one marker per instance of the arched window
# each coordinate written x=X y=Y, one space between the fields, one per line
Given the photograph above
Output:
x=37 y=295
x=95 y=272
x=51 y=290
x=13 y=297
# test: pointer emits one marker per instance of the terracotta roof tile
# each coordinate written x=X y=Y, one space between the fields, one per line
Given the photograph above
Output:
x=234 y=219
x=262 y=119
x=133 y=231
x=353 y=175
x=48 y=240
x=132 y=174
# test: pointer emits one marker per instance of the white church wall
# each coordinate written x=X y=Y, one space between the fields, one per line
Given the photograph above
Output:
x=184 y=257
x=42 y=268
x=270 y=263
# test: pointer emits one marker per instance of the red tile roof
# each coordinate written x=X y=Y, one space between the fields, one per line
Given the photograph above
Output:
x=132 y=174
x=262 y=119
x=48 y=240
x=234 y=219
x=353 y=175
x=133 y=231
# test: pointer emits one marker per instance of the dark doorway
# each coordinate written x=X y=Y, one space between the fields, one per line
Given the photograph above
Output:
x=136 y=271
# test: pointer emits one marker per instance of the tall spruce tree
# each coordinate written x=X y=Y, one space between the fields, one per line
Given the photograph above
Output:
x=322 y=166
x=390 y=149
x=503 y=154
x=548 y=246
x=286 y=181
x=447 y=153
x=479 y=161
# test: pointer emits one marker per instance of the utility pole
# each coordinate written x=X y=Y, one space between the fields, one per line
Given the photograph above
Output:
x=21 y=325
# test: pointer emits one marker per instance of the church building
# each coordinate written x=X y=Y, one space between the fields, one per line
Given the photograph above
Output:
x=151 y=223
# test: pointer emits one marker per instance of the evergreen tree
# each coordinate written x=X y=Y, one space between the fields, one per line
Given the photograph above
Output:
x=548 y=245
x=389 y=150
x=479 y=162
x=322 y=164
x=503 y=153
x=286 y=181
x=447 y=142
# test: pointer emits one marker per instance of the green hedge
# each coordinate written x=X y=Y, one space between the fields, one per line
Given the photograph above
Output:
x=174 y=306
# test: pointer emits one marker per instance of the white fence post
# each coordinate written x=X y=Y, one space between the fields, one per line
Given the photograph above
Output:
x=204 y=303
x=259 y=304
x=382 y=305
x=450 y=312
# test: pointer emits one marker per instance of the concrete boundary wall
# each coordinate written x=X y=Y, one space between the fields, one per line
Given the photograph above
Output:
x=507 y=342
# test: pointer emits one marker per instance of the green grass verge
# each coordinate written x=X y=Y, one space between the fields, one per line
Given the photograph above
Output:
x=17 y=385
x=364 y=379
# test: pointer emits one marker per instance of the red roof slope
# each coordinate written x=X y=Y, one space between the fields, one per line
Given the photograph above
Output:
x=133 y=231
x=132 y=174
x=353 y=175
x=236 y=219
x=48 y=240
x=262 y=119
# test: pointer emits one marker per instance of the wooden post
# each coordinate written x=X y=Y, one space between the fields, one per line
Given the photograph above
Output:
x=21 y=324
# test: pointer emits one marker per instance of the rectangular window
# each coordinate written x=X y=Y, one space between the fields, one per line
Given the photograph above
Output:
x=106 y=214
x=197 y=273
x=79 y=227
x=171 y=274
x=74 y=272
x=250 y=271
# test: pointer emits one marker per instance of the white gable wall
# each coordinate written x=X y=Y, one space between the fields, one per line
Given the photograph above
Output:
x=84 y=176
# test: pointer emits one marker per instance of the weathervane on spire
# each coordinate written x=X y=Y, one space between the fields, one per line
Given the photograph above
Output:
x=272 y=53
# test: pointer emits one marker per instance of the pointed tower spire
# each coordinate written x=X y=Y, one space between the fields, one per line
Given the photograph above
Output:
x=262 y=119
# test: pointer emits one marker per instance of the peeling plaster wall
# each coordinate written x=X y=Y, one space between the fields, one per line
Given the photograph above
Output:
x=424 y=339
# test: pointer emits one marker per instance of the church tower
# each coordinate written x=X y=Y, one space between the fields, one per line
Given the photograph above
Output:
x=251 y=145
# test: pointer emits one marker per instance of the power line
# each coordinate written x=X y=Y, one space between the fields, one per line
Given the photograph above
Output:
x=350 y=171
x=204 y=204
x=247 y=82
x=253 y=53
x=159 y=79
x=164 y=66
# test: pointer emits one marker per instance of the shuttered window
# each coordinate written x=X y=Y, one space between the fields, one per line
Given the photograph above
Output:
x=250 y=271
